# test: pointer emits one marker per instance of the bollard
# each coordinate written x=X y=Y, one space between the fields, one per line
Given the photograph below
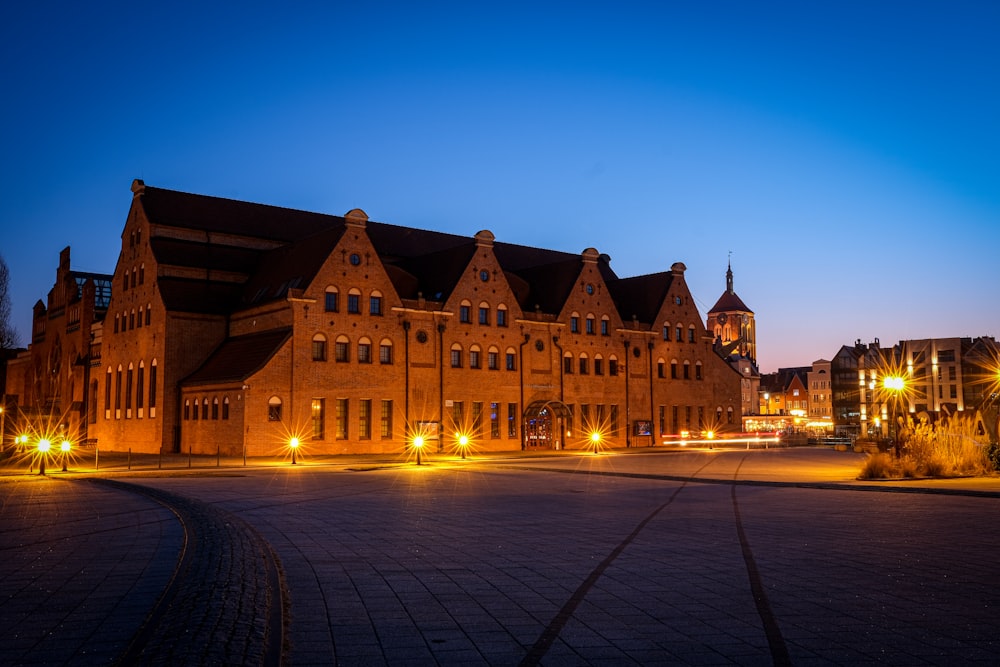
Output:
x=159 y=459
x=244 y=456
x=97 y=457
x=129 y=458
x=189 y=456
x=218 y=455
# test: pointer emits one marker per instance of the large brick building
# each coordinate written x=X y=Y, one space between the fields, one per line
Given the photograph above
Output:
x=235 y=326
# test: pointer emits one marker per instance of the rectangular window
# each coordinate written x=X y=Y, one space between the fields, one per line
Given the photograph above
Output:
x=952 y=373
x=697 y=372
x=511 y=362
x=494 y=420
x=512 y=420
x=590 y=326
x=687 y=417
x=364 y=353
x=663 y=419
x=365 y=419
x=493 y=360
x=118 y=394
x=340 y=351
x=385 y=354
x=458 y=415
x=332 y=302
x=477 y=418
x=353 y=303
x=484 y=315
x=385 y=429
x=225 y=408
x=456 y=358
x=701 y=417
x=679 y=334
x=584 y=365
x=465 y=314
x=585 y=417
x=215 y=408
x=341 y=419
x=319 y=350
x=194 y=415
x=673 y=370
x=661 y=369
x=107 y=394
x=128 y=392
x=613 y=367
x=152 y=389
x=690 y=335
x=204 y=409
x=614 y=419
x=574 y=325
x=687 y=371
x=317 y=418
x=501 y=317
x=375 y=305
x=604 y=328
x=473 y=358
x=598 y=366
x=140 y=389
x=568 y=365
x=274 y=410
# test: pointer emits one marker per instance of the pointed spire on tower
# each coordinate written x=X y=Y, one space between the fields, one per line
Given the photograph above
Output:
x=729 y=274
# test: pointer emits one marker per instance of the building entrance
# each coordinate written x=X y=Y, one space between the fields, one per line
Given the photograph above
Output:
x=545 y=425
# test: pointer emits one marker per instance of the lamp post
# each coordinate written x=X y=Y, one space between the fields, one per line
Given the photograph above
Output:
x=894 y=386
x=64 y=447
x=44 y=445
x=767 y=403
x=418 y=444
x=595 y=438
x=294 y=445
x=463 y=443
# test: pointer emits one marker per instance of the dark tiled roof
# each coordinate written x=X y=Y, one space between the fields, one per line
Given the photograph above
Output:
x=215 y=214
x=199 y=296
x=290 y=266
x=640 y=297
x=239 y=357
x=549 y=285
x=177 y=252
x=729 y=302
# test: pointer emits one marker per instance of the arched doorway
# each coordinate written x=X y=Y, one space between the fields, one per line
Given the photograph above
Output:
x=545 y=425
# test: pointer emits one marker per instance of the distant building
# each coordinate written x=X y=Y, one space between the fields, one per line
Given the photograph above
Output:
x=734 y=328
x=235 y=326
x=47 y=385
x=820 y=390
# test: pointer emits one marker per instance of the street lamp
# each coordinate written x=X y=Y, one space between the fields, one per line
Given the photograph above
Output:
x=44 y=445
x=595 y=438
x=463 y=444
x=418 y=444
x=894 y=385
x=767 y=403
x=294 y=445
x=64 y=447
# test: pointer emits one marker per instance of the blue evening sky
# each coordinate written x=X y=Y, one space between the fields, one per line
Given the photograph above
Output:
x=846 y=153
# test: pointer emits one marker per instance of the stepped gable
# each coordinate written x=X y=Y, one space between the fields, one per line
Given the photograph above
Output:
x=641 y=297
x=239 y=357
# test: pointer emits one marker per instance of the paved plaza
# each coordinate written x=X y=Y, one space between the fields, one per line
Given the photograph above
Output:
x=652 y=557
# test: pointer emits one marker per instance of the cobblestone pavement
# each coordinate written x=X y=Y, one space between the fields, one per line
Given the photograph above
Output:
x=628 y=558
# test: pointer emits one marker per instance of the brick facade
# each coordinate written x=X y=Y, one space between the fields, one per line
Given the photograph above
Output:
x=264 y=323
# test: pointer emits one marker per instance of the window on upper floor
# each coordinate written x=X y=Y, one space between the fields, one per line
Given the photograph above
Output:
x=332 y=301
x=501 y=315
x=375 y=303
x=484 y=313
x=591 y=325
x=605 y=326
x=354 y=302
x=319 y=347
x=465 y=313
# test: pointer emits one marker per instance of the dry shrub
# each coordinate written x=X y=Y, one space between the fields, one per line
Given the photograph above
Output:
x=877 y=466
x=946 y=449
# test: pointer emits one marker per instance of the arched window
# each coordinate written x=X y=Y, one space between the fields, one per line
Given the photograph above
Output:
x=149 y=309
x=364 y=351
x=204 y=408
x=687 y=369
x=484 y=313
x=142 y=273
x=152 y=386
x=613 y=365
x=225 y=407
x=340 y=348
x=511 y=359
x=385 y=351
x=568 y=363
x=474 y=357
x=215 y=407
x=128 y=391
x=319 y=347
x=697 y=371
x=718 y=416
x=194 y=413
x=331 y=302
x=140 y=388
x=135 y=272
x=666 y=331
x=131 y=319
x=354 y=301
x=138 y=320
x=187 y=408
x=691 y=333
x=584 y=364
x=465 y=312
x=493 y=358
x=574 y=322
x=274 y=409
x=501 y=315
x=375 y=303
x=456 y=356
x=605 y=325
x=591 y=325
x=661 y=368
x=729 y=415
x=598 y=365
x=673 y=369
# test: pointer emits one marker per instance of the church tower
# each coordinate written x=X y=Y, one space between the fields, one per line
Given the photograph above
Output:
x=732 y=323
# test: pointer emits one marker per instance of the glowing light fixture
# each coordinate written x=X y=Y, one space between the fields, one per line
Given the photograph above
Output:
x=294 y=444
